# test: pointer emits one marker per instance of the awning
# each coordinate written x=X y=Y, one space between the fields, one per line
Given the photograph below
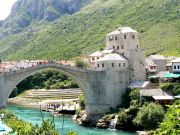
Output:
x=152 y=77
x=171 y=75
x=163 y=97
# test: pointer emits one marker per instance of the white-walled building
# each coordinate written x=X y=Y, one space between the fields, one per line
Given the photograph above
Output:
x=112 y=62
x=176 y=65
x=125 y=42
x=122 y=52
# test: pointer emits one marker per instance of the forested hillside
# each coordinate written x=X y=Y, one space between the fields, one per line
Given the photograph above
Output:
x=82 y=32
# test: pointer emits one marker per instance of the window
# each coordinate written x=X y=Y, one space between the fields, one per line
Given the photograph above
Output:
x=124 y=36
x=98 y=65
x=97 y=58
x=124 y=64
x=137 y=46
x=174 y=67
x=102 y=64
x=122 y=47
x=92 y=58
x=119 y=64
x=113 y=46
x=178 y=67
x=110 y=38
x=133 y=36
x=116 y=38
x=117 y=47
x=112 y=64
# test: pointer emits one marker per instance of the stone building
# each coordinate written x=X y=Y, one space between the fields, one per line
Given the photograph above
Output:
x=124 y=41
x=112 y=62
x=160 y=61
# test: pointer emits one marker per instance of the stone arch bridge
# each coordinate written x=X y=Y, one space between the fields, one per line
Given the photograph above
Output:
x=102 y=89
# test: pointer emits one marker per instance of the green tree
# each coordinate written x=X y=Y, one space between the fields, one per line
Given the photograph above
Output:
x=82 y=102
x=171 y=122
x=149 y=116
x=81 y=64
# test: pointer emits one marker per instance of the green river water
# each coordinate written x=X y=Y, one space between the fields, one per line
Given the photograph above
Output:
x=34 y=116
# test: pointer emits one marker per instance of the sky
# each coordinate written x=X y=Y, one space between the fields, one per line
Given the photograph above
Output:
x=5 y=8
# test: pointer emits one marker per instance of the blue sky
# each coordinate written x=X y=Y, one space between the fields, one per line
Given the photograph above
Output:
x=5 y=8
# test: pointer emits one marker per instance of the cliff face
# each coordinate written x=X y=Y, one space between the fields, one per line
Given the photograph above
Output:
x=24 y=12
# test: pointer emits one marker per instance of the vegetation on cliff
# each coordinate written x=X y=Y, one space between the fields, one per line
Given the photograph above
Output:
x=83 y=32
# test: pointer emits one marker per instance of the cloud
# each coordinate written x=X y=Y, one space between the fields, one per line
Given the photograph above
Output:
x=5 y=8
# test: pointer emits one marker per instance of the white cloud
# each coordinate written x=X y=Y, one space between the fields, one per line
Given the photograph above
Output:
x=5 y=8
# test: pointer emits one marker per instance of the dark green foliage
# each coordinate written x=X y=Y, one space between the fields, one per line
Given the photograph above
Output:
x=149 y=116
x=125 y=118
x=25 y=128
x=130 y=97
x=172 y=88
x=80 y=34
x=82 y=102
x=170 y=124
x=81 y=64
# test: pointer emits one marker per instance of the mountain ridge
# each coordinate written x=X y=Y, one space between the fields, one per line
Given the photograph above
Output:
x=83 y=32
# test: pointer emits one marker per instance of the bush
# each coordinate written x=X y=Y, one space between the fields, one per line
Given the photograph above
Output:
x=173 y=88
x=149 y=116
x=82 y=102
x=170 y=124
x=81 y=64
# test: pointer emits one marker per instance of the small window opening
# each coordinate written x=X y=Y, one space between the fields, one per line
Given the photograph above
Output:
x=102 y=64
x=125 y=37
x=112 y=64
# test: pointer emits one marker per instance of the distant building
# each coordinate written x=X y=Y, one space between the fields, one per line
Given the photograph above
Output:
x=95 y=56
x=112 y=62
x=151 y=68
x=122 y=52
x=176 y=65
x=160 y=61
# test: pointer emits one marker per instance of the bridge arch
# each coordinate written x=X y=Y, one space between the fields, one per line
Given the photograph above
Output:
x=77 y=75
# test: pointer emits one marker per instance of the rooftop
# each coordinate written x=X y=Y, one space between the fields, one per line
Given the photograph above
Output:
x=167 y=97
x=176 y=60
x=97 y=53
x=107 y=51
x=152 y=92
x=123 y=30
x=149 y=62
x=157 y=57
x=112 y=57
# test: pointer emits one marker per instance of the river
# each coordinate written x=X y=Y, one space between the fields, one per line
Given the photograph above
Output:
x=34 y=116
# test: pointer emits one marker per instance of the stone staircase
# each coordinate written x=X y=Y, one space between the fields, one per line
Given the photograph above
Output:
x=55 y=93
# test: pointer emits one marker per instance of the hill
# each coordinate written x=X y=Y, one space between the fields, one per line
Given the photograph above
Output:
x=83 y=31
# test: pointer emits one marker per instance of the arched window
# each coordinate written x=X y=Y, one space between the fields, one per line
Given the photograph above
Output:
x=112 y=64
x=116 y=38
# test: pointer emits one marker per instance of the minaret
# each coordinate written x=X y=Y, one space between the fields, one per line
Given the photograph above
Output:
x=125 y=42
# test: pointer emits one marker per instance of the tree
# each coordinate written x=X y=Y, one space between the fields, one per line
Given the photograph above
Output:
x=170 y=124
x=149 y=116
x=81 y=64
